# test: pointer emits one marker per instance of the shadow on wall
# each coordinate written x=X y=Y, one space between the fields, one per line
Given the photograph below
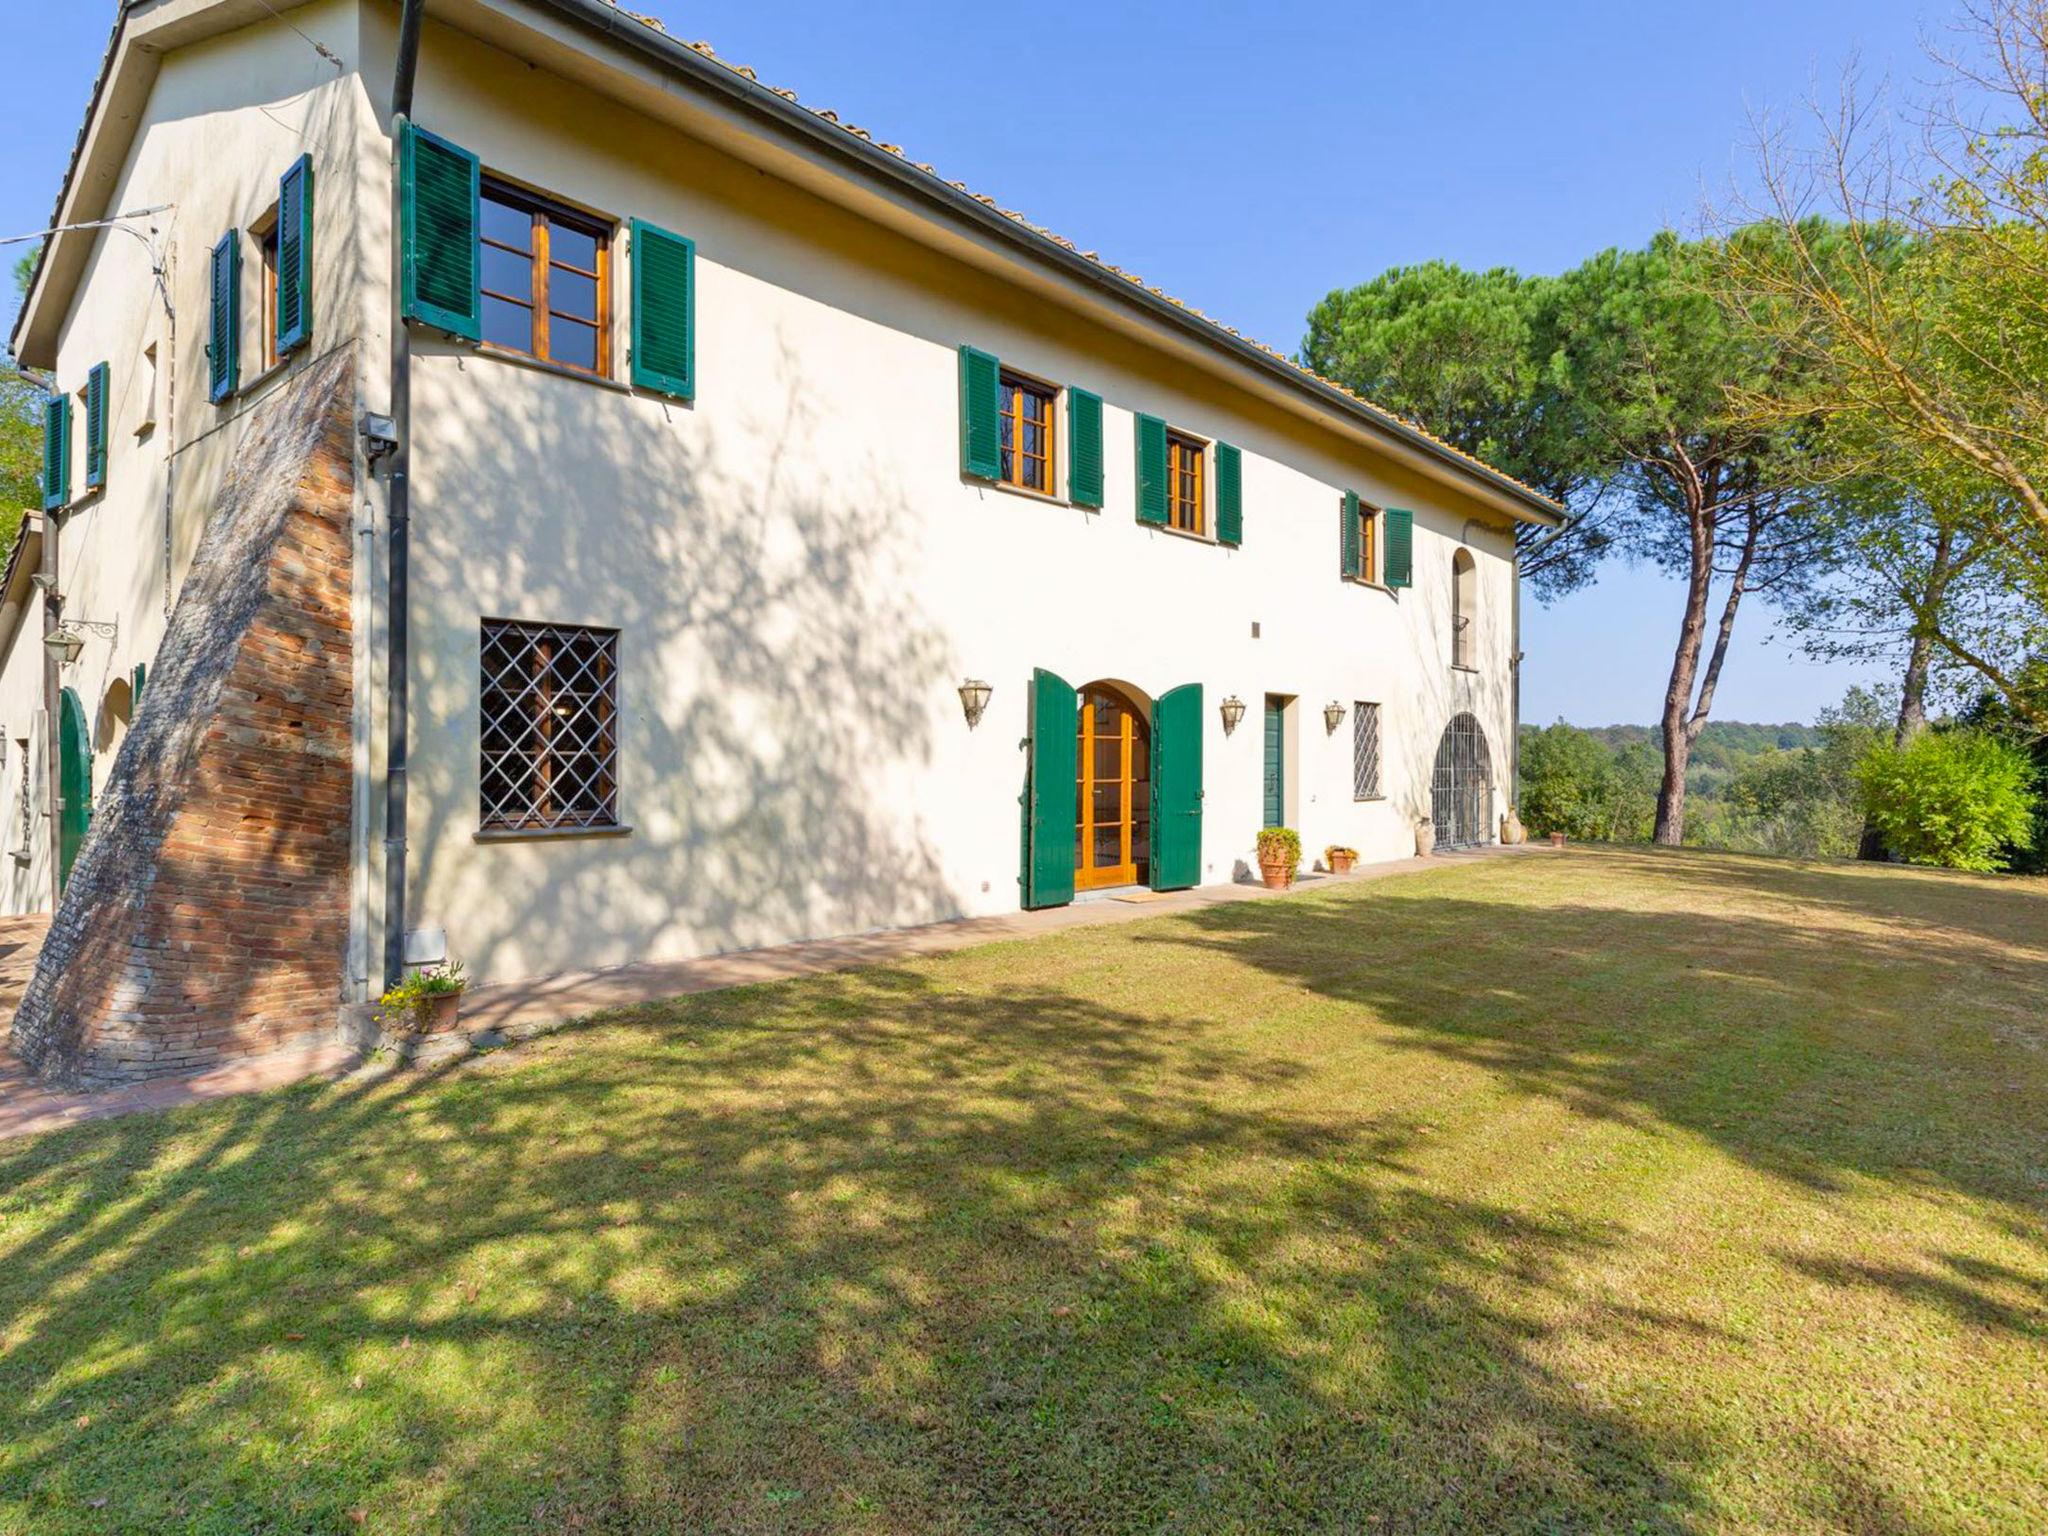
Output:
x=779 y=684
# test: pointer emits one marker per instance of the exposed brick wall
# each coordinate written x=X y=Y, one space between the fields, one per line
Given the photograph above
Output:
x=206 y=916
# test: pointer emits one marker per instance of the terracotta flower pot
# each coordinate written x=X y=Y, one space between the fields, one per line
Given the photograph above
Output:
x=1277 y=876
x=439 y=1011
x=1340 y=863
x=1557 y=839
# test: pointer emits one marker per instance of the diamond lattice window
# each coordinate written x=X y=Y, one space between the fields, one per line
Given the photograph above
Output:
x=550 y=737
x=1365 y=751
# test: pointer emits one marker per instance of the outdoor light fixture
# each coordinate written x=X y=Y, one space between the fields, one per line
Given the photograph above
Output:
x=973 y=700
x=66 y=643
x=1333 y=716
x=1233 y=711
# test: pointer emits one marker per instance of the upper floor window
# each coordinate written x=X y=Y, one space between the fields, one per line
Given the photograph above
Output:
x=1185 y=457
x=1464 y=600
x=1026 y=427
x=544 y=288
x=1368 y=542
x=265 y=232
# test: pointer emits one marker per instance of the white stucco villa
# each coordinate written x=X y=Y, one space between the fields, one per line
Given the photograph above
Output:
x=788 y=542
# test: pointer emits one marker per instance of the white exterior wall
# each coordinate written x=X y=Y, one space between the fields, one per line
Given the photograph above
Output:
x=802 y=578
x=223 y=120
x=800 y=575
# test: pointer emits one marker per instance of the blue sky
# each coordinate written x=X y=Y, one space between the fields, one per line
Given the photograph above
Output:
x=1250 y=157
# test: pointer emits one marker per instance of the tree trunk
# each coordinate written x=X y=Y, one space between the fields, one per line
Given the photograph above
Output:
x=1685 y=663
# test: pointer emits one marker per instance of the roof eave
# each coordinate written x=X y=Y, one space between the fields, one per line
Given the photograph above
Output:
x=1512 y=497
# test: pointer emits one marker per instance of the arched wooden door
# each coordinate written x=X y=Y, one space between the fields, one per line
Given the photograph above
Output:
x=1112 y=791
x=74 y=782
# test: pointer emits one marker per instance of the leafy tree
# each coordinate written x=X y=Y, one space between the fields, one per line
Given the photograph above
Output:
x=1921 y=335
x=21 y=431
x=1572 y=782
x=1950 y=797
x=1805 y=802
x=1463 y=354
x=1991 y=712
x=1648 y=359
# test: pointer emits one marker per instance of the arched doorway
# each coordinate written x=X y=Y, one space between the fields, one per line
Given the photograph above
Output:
x=1461 y=789
x=1112 y=790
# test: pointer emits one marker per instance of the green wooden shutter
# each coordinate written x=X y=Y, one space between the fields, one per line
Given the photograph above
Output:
x=74 y=782
x=1151 y=470
x=295 y=256
x=138 y=678
x=664 y=311
x=56 y=451
x=96 y=426
x=1084 y=448
x=1229 y=494
x=1177 y=788
x=440 y=188
x=1049 y=809
x=224 y=323
x=981 y=407
x=1350 y=560
x=1399 y=530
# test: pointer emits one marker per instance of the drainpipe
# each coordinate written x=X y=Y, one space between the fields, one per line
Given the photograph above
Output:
x=400 y=490
x=53 y=720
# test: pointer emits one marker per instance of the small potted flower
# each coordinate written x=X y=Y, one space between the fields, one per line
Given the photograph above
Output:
x=1339 y=858
x=427 y=1002
x=1279 y=856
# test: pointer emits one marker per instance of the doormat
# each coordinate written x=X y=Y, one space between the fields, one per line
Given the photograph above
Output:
x=1137 y=896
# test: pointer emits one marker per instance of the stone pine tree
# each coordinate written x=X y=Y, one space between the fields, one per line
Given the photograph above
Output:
x=1646 y=359
x=1463 y=354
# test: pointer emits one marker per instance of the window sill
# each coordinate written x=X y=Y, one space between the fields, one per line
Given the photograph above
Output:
x=1182 y=533
x=1043 y=498
x=1370 y=586
x=559 y=370
x=1368 y=799
x=546 y=834
x=1459 y=666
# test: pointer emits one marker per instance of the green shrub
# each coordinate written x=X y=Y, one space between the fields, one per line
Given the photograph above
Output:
x=1953 y=798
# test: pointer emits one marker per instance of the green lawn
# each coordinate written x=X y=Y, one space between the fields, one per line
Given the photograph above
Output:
x=1594 y=1192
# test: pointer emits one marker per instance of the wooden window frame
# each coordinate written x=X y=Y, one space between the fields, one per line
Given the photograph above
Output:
x=545 y=213
x=1184 y=449
x=265 y=232
x=1368 y=543
x=1009 y=381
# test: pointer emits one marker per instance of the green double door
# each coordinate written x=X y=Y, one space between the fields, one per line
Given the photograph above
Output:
x=1054 y=807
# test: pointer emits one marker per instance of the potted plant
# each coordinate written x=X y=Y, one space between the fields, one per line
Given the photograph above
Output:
x=1557 y=839
x=1279 y=856
x=428 y=1001
x=1425 y=838
x=1339 y=858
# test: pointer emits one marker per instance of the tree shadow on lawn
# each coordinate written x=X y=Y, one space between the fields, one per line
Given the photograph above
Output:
x=870 y=1252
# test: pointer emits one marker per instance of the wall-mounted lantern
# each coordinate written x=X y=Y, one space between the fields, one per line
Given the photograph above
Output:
x=66 y=643
x=1233 y=711
x=973 y=700
x=1333 y=716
